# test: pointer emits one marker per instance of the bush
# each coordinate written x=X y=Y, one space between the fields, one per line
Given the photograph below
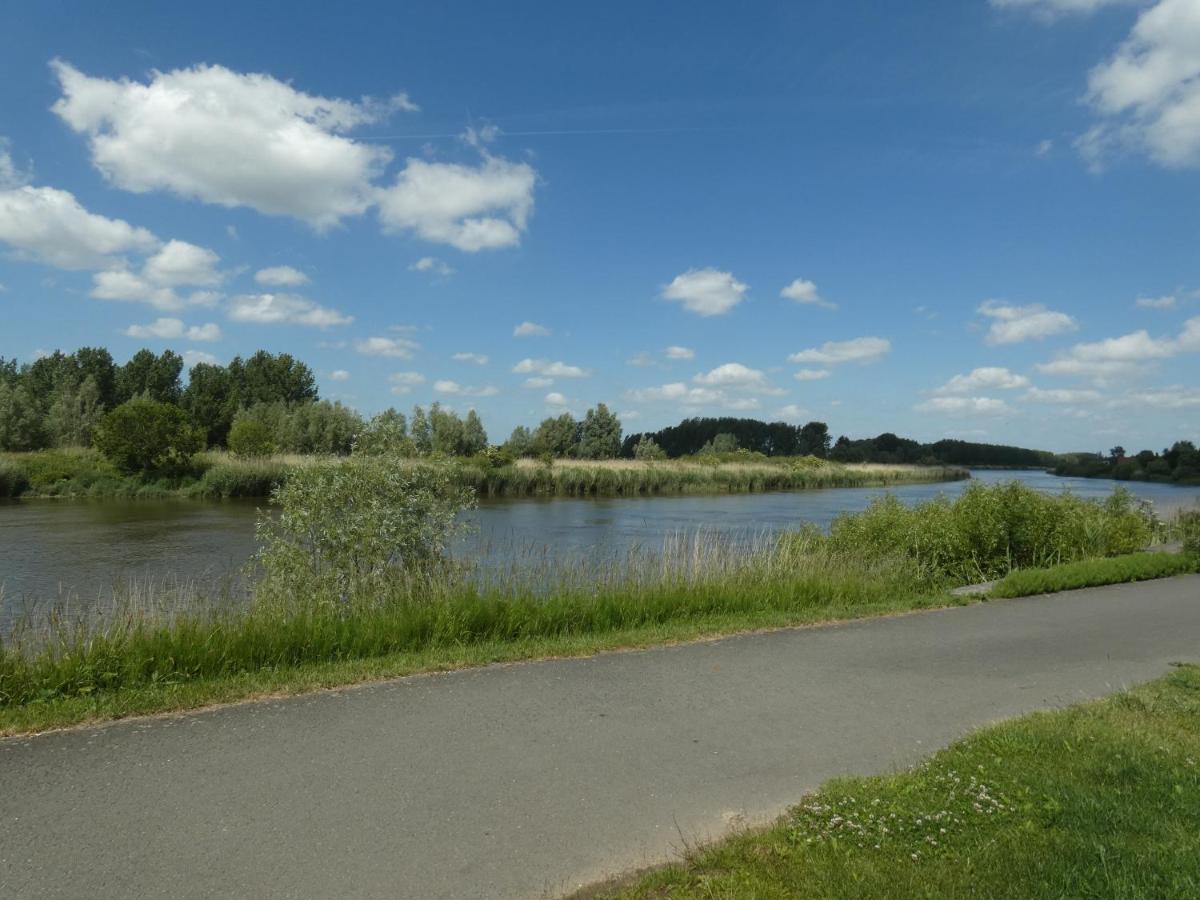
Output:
x=1189 y=530
x=647 y=449
x=13 y=480
x=991 y=530
x=250 y=438
x=345 y=529
x=143 y=435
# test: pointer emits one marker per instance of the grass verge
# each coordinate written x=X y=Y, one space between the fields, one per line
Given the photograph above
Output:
x=1094 y=572
x=1097 y=800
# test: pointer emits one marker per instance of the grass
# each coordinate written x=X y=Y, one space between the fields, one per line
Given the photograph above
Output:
x=1093 y=572
x=81 y=472
x=1097 y=800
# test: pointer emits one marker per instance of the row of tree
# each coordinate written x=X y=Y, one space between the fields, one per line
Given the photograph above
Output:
x=769 y=438
x=889 y=448
x=1177 y=464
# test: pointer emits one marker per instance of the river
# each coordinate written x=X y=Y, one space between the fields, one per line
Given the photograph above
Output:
x=52 y=549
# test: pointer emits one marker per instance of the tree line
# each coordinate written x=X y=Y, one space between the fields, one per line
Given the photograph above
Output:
x=1177 y=464
x=890 y=448
x=726 y=433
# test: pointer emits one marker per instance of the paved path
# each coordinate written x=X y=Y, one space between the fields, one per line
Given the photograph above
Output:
x=528 y=780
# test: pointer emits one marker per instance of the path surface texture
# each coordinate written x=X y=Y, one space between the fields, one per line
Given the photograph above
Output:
x=529 y=780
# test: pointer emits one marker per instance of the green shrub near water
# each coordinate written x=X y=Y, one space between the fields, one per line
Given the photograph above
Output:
x=1090 y=572
x=13 y=480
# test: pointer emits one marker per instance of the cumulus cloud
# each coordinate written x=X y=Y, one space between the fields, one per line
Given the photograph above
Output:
x=982 y=379
x=554 y=398
x=1148 y=93
x=793 y=412
x=805 y=293
x=812 y=374
x=179 y=262
x=468 y=207
x=737 y=377
x=1177 y=396
x=686 y=395
x=1052 y=9
x=174 y=265
x=174 y=329
x=1015 y=324
x=403 y=382
x=339 y=375
x=538 y=382
x=280 y=276
x=478 y=359
x=10 y=175
x=531 y=329
x=395 y=348
x=705 y=292
x=677 y=352
x=284 y=309
x=965 y=405
x=549 y=369
x=123 y=285
x=1062 y=395
x=50 y=226
x=229 y=138
x=431 y=264
x=453 y=388
x=1123 y=355
x=862 y=350
x=191 y=357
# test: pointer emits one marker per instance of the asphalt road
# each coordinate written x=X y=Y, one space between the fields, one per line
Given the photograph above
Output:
x=530 y=780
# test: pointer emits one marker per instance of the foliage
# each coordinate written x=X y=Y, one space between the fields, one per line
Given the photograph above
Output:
x=1189 y=531
x=647 y=449
x=557 y=436
x=21 y=420
x=989 y=530
x=770 y=439
x=889 y=448
x=1092 y=572
x=254 y=477
x=250 y=437
x=318 y=427
x=600 y=434
x=74 y=414
x=144 y=435
x=1178 y=464
x=1097 y=800
x=387 y=432
x=347 y=528
x=14 y=481
x=520 y=442
x=153 y=376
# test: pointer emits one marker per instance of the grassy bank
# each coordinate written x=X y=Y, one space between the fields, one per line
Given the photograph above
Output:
x=1092 y=572
x=295 y=630
x=1098 y=800
x=217 y=475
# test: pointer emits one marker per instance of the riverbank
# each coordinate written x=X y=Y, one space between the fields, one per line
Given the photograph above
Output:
x=150 y=652
x=79 y=473
x=1097 y=800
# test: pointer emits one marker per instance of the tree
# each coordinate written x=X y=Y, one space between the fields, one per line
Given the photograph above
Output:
x=156 y=377
x=520 y=442
x=446 y=430
x=646 y=449
x=144 y=435
x=210 y=400
x=267 y=378
x=1117 y=453
x=721 y=443
x=474 y=438
x=556 y=436
x=813 y=440
x=419 y=431
x=21 y=426
x=600 y=435
x=250 y=437
x=74 y=414
x=387 y=432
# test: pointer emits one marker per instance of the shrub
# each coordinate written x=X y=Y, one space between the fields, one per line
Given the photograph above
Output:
x=345 y=529
x=13 y=480
x=1189 y=530
x=250 y=438
x=647 y=449
x=143 y=435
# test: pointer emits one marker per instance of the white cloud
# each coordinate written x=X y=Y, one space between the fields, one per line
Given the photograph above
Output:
x=684 y=395
x=174 y=329
x=793 y=412
x=1062 y=395
x=178 y=263
x=812 y=374
x=403 y=382
x=538 y=382
x=281 y=309
x=10 y=175
x=554 y=398
x=736 y=376
x=1051 y=9
x=339 y=375
x=191 y=357
x=1177 y=396
x=805 y=293
x=676 y=352
x=50 y=226
x=229 y=138
x=1157 y=302
x=471 y=208
x=123 y=285
x=280 y=276
x=862 y=350
x=549 y=369
x=394 y=348
x=453 y=388
x=705 y=292
x=531 y=329
x=1014 y=324
x=965 y=405
x=1124 y=355
x=431 y=264
x=982 y=379
x=1148 y=92
x=478 y=359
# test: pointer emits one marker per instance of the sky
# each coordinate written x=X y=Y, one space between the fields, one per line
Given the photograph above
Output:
x=950 y=218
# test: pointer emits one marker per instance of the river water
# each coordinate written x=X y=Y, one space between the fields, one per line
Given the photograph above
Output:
x=51 y=549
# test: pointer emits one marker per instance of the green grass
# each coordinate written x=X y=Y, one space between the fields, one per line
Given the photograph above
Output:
x=1100 y=800
x=84 y=472
x=1092 y=572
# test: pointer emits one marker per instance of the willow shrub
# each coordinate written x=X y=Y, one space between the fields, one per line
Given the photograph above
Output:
x=990 y=530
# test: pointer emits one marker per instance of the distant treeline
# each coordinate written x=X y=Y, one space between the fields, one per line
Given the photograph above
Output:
x=781 y=439
x=1180 y=464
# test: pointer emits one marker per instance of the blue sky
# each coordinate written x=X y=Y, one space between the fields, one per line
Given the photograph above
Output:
x=965 y=218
